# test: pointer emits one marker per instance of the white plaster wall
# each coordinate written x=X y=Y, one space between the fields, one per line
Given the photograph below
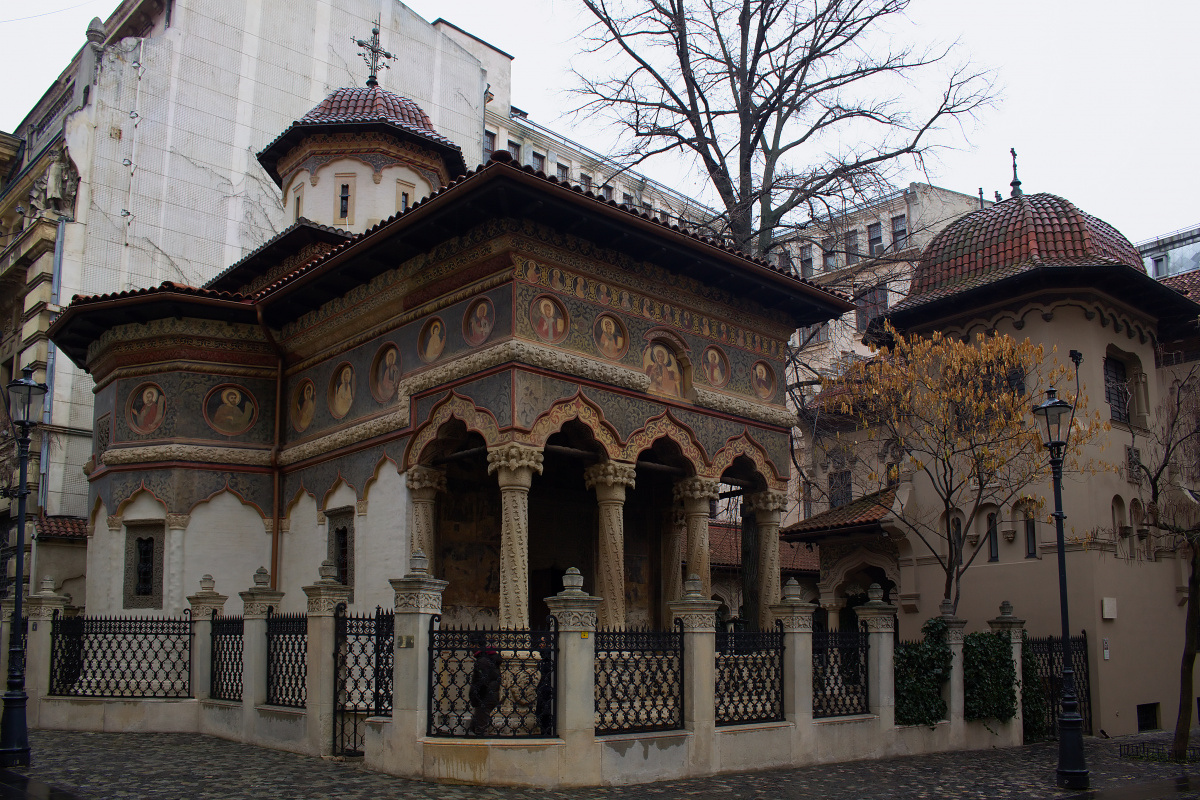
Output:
x=372 y=201
x=382 y=540
x=301 y=550
x=99 y=563
x=227 y=539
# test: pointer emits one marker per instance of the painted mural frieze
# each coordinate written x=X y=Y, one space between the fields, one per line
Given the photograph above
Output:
x=549 y=319
x=715 y=365
x=610 y=336
x=432 y=340
x=146 y=409
x=385 y=373
x=479 y=321
x=662 y=367
x=303 y=405
x=763 y=380
x=213 y=334
x=230 y=409
x=341 y=391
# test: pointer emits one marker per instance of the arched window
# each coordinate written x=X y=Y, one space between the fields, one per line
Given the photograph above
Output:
x=993 y=536
x=1031 y=542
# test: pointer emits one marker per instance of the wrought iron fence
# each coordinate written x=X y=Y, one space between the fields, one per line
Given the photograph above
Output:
x=1046 y=653
x=121 y=656
x=639 y=680
x=363 y=656
x=287 y=659
x=839 y=673
x=749 y=680
x=492 y=683
x=227 y=658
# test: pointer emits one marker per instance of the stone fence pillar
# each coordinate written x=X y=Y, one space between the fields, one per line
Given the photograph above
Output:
x=1013 y=628
x=205 y=604
x=41 y=608
x=575 y=611
x=956 y=703
x=879 y=619
x=797 y=618
x=323 y=599
x=256 y=602
x=699 y=615
x=418 y=600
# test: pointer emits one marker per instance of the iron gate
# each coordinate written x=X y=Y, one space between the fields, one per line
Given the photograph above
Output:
x=363 y=655
x=1046 y=652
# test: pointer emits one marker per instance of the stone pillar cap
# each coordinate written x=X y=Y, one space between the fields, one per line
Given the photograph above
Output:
x=262 y=578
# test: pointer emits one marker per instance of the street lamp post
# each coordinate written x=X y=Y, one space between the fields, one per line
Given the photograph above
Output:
x=24 y=406
x=1072 y=768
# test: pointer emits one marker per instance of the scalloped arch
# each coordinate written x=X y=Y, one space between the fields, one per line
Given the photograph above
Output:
x=232 y=491
x=578 y=408
x=744 y=445
x=142 y=487
x=454 y=406
x=835 y=577
x=664 y=425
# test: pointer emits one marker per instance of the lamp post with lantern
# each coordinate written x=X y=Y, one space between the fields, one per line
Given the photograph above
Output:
x=24 y=407
x=1072 y=770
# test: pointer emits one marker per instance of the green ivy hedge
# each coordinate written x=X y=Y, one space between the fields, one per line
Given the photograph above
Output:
x=920 y=670
x=989 y=677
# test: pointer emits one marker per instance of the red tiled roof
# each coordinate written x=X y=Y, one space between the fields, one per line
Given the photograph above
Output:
x=725 y=550
x=373 y=104
x=164 y=287
x=866 y=510
x=61 y=527
x=1013 y=236
x=1186 y=283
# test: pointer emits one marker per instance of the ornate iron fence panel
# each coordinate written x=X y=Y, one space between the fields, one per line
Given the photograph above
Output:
x=840 y=673
x=492 y=683
x=362 y=656
x=121 y=656
x=749 y=680
x=1046 y=652
x=227 y=645
x=287 y=659
x=639 y=680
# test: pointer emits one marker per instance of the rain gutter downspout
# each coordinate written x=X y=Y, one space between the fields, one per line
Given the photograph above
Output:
x=276 y=474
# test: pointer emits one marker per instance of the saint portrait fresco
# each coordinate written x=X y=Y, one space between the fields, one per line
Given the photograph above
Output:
x=610 y=337
x=762 y=379
x=147 y=408
x=304 y=405
x=548 y=319
x=716 y=367
x=666 y=377
x=385 y=373
x=432 y=340
x=603 y=295
x=230 y=410
x=478 y=322
x=341 y=390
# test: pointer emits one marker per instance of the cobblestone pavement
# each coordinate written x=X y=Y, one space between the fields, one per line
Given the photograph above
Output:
x=161 y=766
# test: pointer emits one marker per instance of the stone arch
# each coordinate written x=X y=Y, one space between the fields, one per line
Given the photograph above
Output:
x=664 y=425
x=137 y=494
x=339 y=482
x=744 y=445
x=454 y=406
x=585 y=412
x=227 y=488
x=374 y=477
x=835 y=577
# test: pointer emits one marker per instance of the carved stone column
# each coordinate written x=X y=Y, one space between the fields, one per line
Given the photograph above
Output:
x=797 y=618
x=514 y=465
x=957 y=700
x=205 y=604
x=695 y=494
x=256 y=602
x=323 y=599
x=767 y=507
x=673 y=549
x=879 y=619
x=575 y=612
x=609 y=479
x=173 y=563
x=424 y=483
x=699 y=616
x=833 y=612
x=41 y=608
x=1012 y=628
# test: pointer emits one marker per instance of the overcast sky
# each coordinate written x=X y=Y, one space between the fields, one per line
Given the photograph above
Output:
x=1099 y=97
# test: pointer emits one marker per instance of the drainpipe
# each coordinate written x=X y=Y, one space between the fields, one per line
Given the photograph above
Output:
x=276 y=473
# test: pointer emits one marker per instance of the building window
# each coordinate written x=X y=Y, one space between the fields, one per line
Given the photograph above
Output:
x=585 y=181
x=1030 y=536
x=627 y=198
x=875 y=239
x=1116 y=388
x=873 y=303
x=345 y=198
x=341 y=545
x=1147 y=717
x=514 y=150
x=489 y=145
x=144 y=565
x=839 y=488
x=648 y=208
x=784 y=260
x=404 y=195
x=1160 y=266
x=298 y=196
x=608 y=193
x=564 y=171
x=899 y=233
x=806 y=264
x=814 y=334
x=828 y=256
x=993 y=537
x=539 y=162
x=344 y=201
x=851 y=240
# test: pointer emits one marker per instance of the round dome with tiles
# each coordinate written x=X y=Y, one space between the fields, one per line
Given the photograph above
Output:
x=1016 y=235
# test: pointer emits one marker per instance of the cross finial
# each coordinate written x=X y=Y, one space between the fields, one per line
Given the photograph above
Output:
x=374 y=55
x=1016 y=182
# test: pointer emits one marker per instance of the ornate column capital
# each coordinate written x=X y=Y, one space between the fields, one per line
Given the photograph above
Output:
x=207 y=603
x=610 y=473
x=514 y=464
x=360 y=508
x=573 y=609
x=425 y=479
x=767 y=506
x=697 y=490
x=178 y=521
x=418 y=592
x=115 y=521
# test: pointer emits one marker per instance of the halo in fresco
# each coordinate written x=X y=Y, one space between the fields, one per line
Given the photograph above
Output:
x=303 y=406
x=385 y=373
x=762 y=380
x=548 y=318
x=341 y=390
x=432 y=340
x=479 y=321
x=146 y=408
x=610 y=337
x=230 y=409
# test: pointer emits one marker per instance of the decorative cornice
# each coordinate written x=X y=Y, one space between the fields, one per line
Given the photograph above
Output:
x=701 y=621
x=574 y=620
x=741 y=407
x=878 y=623
x=44 y=608
x=346 y=436
x=610 y=473
x=418 y=594
x=105 y=377
x=186 y=452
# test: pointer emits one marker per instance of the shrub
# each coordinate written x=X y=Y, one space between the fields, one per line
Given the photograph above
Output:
x=920 y=670
x=989 y=677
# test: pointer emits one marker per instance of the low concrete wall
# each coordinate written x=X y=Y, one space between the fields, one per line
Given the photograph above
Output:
x=117 y=715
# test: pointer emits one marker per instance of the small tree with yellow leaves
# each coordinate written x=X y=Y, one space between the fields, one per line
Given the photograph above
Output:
x=953 y=415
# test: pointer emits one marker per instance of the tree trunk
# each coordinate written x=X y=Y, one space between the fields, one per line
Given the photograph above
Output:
x=1183 y=724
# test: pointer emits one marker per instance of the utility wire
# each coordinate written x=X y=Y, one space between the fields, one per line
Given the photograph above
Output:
x=48 y=13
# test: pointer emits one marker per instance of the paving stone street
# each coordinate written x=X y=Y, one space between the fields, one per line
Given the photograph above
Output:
x=177 y=766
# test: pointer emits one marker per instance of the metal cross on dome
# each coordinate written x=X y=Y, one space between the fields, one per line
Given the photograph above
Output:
x=375 y=56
